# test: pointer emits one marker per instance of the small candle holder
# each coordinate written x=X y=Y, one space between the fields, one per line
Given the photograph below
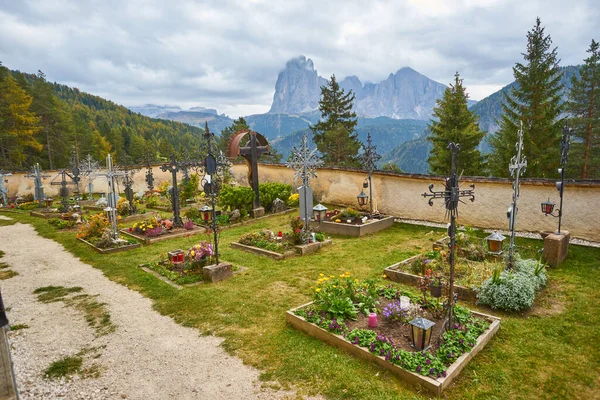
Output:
x=372 y=320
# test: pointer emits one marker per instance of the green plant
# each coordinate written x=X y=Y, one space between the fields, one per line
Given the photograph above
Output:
x=269 y=191
x=293 y=200
x=297 y=225
x=236 y=197
x=18 y=327
x=349 y=212
x=189 y=189
x=513 y=290
x=319 y=236
x=60 y=223
x=94 y=227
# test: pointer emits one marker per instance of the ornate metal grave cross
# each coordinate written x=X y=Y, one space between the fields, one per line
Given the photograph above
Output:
x=3 y=189
x=452 y=196
x=38 y=178
x=305 y=162
x=173 y=167
x=369 y=159
x=251 y=152
x=89 y=169
x=215 y=170
x=128 y=183
x=73 y=175
x=149 y=173
x=518 y=165
x=112 y=176
x=565 y=144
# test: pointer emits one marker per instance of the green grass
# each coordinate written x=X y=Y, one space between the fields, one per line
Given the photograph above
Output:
x=549 y=352
x=95 y=313
x=64 y=367
x=7 y=274
x=18 y=327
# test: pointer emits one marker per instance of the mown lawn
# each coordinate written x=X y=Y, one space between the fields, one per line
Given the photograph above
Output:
x=551 y=351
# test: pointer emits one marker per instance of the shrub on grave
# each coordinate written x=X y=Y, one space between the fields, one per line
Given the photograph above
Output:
x=513 y=290
x=270 y=191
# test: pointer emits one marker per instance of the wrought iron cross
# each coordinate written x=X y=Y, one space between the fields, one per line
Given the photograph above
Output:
x=128 y=183
x=251 y=152
x=304 y=162
x=89 y=169
x=452 y=195
x=518 y=165
x=3 y=189
x=149 y=173
x=112 y=175
x=215 y=170
x=38 y=178
x=173 y=167
x=565 y=144
x=369 y=159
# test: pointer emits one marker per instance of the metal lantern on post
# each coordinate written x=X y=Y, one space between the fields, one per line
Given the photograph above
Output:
x=547 y=207
x=319 y=212
x=206 y=212
x=420 y=333
x=495 y=242
x=362 y=198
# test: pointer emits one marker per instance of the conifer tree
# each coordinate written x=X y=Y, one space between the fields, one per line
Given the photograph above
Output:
x=18 y=125
x=455 y=123
x=536 y=101
x=334 y=135
x=227 y=132
x=584 y=106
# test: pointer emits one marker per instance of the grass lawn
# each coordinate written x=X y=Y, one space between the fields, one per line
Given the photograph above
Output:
x=551 y=351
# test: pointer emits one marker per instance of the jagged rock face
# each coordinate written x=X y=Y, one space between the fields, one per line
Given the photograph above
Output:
x=298 y=88
x=403 y=95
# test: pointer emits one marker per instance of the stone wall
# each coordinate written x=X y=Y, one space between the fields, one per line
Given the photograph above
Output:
x=401 y=195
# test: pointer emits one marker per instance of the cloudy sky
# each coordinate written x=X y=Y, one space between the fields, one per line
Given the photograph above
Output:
x=226 y=54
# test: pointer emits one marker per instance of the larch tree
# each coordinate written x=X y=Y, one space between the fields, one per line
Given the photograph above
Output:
x=536 y=101
x=584 y=107
x=455 y=123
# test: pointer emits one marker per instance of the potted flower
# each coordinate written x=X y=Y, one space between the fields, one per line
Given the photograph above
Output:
x=199 y=253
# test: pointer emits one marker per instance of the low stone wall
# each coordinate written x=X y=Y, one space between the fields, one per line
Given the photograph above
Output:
x=400 y=195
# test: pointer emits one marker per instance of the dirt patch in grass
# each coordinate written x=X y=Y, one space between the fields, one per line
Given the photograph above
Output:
x=7 y=274
x=550 y=301
x=95 y=313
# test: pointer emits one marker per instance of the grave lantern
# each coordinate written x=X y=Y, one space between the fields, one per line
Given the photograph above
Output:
x=366 y=183
x=362 y=198
x=547 y=207
x=420 y=333
x=494 y=242
x=206 y=211
x=319 y=212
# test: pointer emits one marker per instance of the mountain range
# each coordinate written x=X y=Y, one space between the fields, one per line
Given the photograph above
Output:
x=391 y=110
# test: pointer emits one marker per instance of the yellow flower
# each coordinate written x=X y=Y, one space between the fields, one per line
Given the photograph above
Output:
x=321 y=275
x=342 y=276
x=331 y=276
x=193 y=253
x=317 y=290
x=356 y=281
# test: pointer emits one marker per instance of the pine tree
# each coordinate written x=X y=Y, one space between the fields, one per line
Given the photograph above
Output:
x=584 y=106
x=334 y=134
x=227 y=132
x=537 y=102
x=455 y=123
x=18 y=125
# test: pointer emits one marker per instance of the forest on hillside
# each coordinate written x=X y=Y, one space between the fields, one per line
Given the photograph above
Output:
x=42 y=122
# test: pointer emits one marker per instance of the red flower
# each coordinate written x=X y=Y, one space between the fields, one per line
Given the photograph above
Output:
x=297 y=230
x=13 y=206
x=130 y=229
x=428 y=272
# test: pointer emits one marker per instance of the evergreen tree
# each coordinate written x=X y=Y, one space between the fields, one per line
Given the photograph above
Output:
x=455 y=123
x=18 y=125
x=237 y=125
x=334 y=135
x=536 y=101
x=584 y=106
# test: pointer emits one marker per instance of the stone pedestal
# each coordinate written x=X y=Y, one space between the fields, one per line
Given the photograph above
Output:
x=258 y=212
x=556 y=248
x=217 y=272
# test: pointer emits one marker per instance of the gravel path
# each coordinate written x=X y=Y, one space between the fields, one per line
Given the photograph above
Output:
x=148 y=356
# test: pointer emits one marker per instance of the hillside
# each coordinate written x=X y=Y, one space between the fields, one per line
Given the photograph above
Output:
x=68 y=117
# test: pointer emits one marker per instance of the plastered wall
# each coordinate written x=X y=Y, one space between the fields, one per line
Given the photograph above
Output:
x=401 y=195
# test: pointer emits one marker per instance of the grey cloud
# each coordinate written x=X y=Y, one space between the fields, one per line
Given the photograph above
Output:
x=226 y=54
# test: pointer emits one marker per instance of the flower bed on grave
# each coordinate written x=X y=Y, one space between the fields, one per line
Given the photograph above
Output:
x=339 y=316
x=189 y=269
x=96 y=233
x=157 y=229
x=478 y=276
x=281 y=244
x=350 y=222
